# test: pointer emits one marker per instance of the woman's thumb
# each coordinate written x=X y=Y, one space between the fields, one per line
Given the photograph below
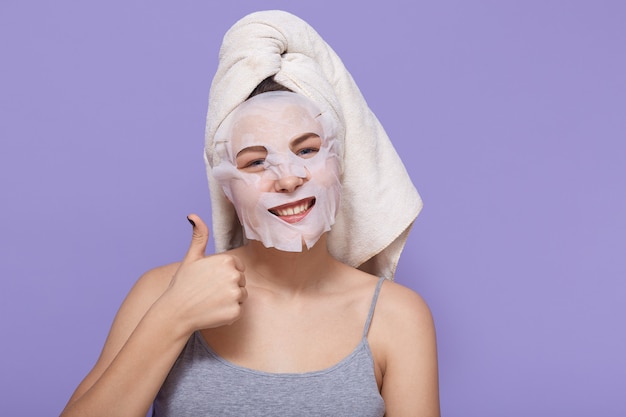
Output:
x=199 y=239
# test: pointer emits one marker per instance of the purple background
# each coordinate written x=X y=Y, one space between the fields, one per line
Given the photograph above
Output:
x=510 y=117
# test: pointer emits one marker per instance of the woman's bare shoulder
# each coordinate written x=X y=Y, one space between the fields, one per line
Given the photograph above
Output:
x=402 y=318
x=157 y=278
x=404 y=333
x=148 y=288
x=395 y=300
x=401 y=306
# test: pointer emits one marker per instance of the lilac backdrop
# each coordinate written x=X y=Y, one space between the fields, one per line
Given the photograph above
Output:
x=510 y=117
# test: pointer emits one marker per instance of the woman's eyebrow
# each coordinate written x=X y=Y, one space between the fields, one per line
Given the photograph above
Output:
x=252 y=149
x=298 y=140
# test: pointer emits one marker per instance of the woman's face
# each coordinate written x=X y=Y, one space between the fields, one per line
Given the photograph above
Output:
x=280 y=170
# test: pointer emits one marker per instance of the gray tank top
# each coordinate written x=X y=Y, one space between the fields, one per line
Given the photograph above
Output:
x=202 y=384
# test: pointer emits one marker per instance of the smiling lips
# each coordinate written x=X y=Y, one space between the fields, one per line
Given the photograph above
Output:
x=294 y=212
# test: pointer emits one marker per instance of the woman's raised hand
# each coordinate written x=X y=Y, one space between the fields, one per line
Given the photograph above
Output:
x=206 y=291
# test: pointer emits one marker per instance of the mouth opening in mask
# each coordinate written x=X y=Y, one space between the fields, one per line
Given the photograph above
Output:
x=294 y=212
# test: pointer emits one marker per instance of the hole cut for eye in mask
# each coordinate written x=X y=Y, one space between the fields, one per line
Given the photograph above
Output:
x=253 y=158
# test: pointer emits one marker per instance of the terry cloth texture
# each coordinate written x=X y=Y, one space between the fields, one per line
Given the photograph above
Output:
x=379 y=202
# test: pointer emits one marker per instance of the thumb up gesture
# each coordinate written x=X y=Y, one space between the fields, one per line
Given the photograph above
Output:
x=207 y=291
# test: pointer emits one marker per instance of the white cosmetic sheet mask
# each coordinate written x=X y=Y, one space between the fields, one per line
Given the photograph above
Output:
x=288 y=194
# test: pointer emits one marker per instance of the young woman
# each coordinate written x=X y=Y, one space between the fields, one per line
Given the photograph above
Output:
x=275 y=323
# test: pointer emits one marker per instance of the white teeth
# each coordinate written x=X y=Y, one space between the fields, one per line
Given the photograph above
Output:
x=293 y=210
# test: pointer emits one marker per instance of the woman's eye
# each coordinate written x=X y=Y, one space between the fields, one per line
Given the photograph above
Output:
x=306 y=145
x=252 y=159
x=307 y=152
x=256 y=162
x=254 y=165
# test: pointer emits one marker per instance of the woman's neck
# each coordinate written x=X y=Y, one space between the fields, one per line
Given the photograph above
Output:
x=289 y=272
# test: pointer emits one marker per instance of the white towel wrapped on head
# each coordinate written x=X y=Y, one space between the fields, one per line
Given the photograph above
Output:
x=379 y=202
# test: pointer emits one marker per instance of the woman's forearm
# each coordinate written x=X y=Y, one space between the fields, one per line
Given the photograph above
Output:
x=129 y=384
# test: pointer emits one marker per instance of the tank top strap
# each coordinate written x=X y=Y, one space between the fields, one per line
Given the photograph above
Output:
x=368 y=322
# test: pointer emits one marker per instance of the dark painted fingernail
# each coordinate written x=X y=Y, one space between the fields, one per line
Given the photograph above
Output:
x=192 y=222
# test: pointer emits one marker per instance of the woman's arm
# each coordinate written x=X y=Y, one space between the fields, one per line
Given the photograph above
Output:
x=410 y=380
x=152 y=326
